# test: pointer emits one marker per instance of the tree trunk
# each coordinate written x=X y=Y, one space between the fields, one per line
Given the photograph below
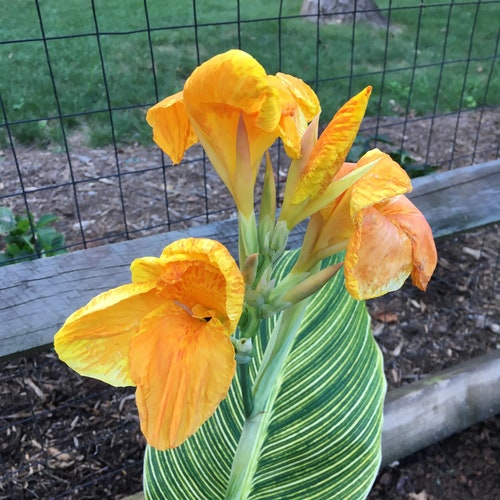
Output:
x=342 y=11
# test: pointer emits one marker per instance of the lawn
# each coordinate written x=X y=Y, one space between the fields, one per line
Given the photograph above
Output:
x=436 y=58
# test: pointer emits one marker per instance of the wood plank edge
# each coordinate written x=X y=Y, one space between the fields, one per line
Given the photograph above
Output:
x=434 y=408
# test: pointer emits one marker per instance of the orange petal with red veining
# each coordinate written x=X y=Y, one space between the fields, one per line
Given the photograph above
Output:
x=213 y=278
x=303 y=94
x=190 y=366
x=299 y=105
x=330 y=152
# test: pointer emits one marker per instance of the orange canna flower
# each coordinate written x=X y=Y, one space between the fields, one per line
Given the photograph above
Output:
x=236 y=112
x=385 y=236
x=309 y=185
x=167 y=333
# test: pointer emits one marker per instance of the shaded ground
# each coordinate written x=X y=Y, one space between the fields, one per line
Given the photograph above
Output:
x=68 y=437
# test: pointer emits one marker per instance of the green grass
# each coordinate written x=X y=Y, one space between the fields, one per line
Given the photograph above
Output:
x=27 y=93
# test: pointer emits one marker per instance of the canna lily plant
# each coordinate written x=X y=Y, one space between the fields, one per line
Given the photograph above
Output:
x=261 y=379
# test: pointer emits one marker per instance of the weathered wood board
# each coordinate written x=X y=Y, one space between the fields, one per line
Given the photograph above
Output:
x=37 y=296
x=431 y=409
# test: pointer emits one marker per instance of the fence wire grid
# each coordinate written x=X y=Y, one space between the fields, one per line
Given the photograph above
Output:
x=76 y=144
x=76 y=81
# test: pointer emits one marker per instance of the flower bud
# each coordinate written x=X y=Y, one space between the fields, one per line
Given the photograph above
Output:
x=311 y=284
x=249 y=270
x=243 y=349
x=279 y=239
x=268 y=200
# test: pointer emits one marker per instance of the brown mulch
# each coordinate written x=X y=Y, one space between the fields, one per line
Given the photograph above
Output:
x=69 y=437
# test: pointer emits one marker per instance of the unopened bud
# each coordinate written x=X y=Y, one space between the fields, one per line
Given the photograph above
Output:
x=243 y=349
x=253 y=298
x=268 y=200
x=311 y=284
x=279 y=238
x=264 y=231
x=249 y=270
x=265 y=285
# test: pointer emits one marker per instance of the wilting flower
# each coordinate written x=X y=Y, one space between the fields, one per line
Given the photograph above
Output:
x=236 y=111
x=385 y=236
x=309 y=185
x=167 y=333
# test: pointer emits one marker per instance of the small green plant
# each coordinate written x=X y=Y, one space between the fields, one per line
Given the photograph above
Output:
x=21 y=238
x=412 y=167
x=362 y=144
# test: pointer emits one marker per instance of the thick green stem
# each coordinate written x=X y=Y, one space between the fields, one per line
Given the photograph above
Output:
x=246 y=388
x=248 y=329
x=248 y=240
x=266 y=388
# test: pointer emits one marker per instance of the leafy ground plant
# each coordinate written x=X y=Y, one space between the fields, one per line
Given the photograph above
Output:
x=21 y=238
x=362 y=144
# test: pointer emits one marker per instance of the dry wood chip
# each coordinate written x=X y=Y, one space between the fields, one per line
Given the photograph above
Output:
x=418 y=496
x=378 y=329
x=386 y=316
x=35 y=388
x=445 y=264
x=495 y=328
x=476 y=254
x=58 y=455
x=395 y=376
x=397 y=350
x=36 y=444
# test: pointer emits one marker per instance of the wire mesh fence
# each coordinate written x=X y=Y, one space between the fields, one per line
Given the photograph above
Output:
x=77 y=78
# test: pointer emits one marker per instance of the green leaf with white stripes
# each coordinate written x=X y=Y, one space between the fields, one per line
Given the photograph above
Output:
x=323 y=438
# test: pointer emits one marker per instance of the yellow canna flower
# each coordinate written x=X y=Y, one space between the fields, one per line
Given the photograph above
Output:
x=167 y=333
x=309 y=184
x=385 y=236
x=236 y=111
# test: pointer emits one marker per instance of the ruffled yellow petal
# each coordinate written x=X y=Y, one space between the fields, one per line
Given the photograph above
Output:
x=210 y=276
x=304 y=95
x=332 y=147
x=168 y=333
x=385 y=180
x=378 y=257
x=172 y=130
x=94 y=340
x=299 y=105
x=230 y=81
x=190 y=366
x=146 y=269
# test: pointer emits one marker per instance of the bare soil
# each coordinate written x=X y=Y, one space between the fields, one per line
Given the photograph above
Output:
x=69 y=437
